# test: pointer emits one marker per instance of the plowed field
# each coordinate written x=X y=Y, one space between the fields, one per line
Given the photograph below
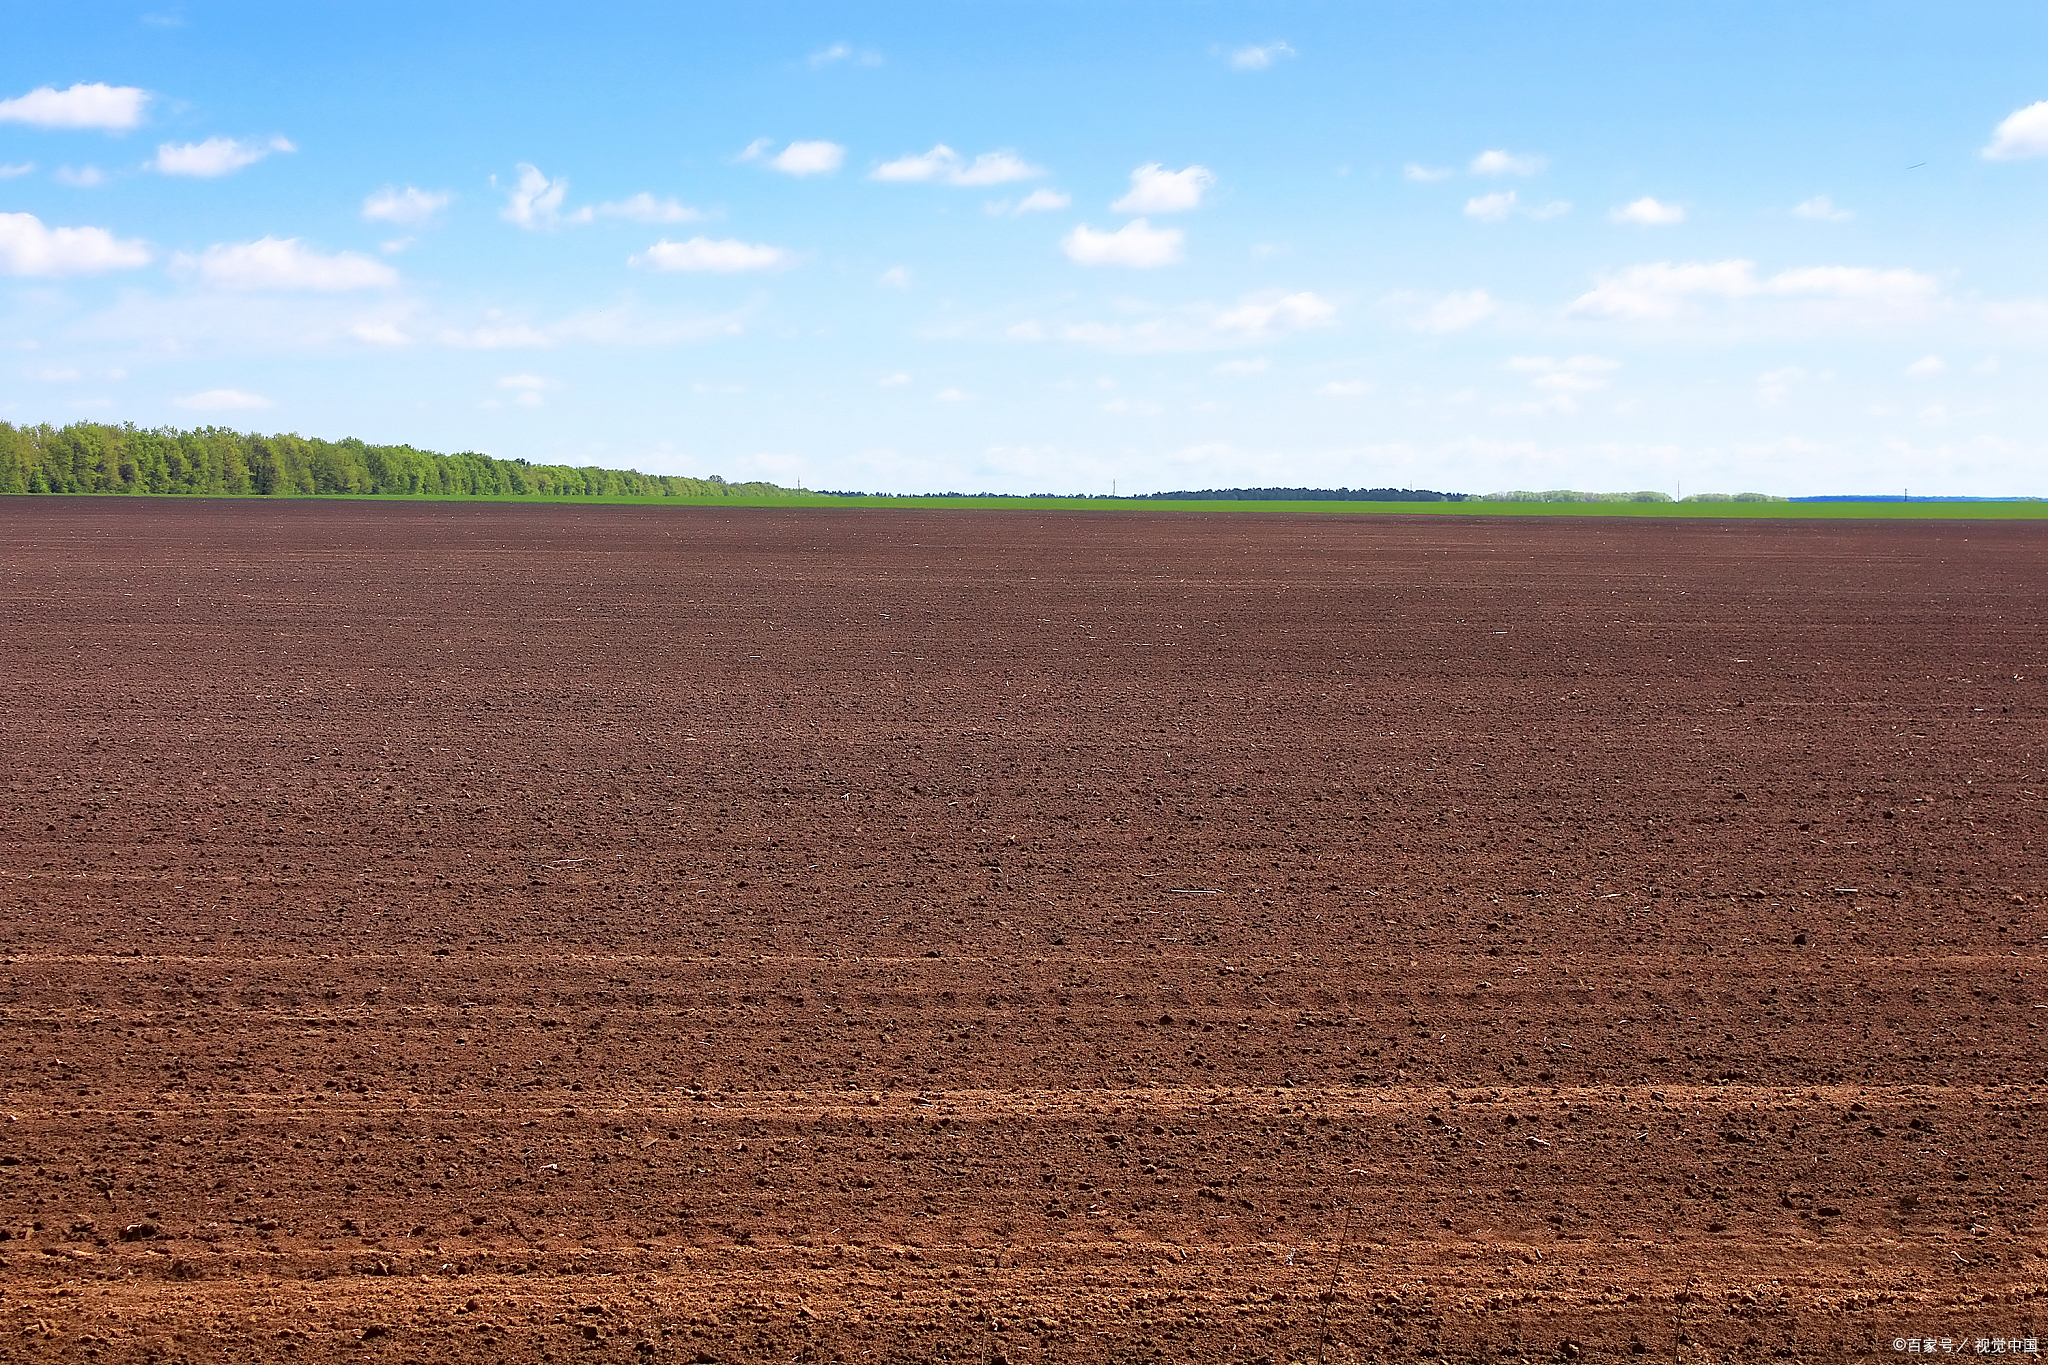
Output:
x=442 y=932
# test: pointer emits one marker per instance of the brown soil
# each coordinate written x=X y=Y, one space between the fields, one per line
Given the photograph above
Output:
x=473 y=932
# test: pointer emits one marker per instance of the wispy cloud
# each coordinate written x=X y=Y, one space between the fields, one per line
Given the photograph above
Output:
x=380 y=334
x=1821 y=209
x=1038 y=201
x=285 y=264
x=81 y=177
x=1491 y=208
x=895 y=277
x=1508 y=163
x=1255 y=319
x=1426 y=175
x=27 y=247
x=1662 y=289
x=844 y=52
x=645 y=208
x=215 y=157
x=621 y=325
x=1505 y=204
x=408 y=205
x=496 y=336
x=726 y=257
x=1926 y=367
x=113 y=108
x=1154 y=189
x=535 y=202
x=528 y=388
x=1649 y=212
x=1259 y=56
x=1137 y=244
x=223 y=400
x=1452 y=312
x=1773 y=387
x=1269 y=313
x=8 y=172
x=944 y=166
x=1563 y=382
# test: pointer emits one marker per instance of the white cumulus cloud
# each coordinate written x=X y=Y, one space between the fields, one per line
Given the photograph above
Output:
x=27 y=247
x=808 y=158
x=944 y=166
x=1649 y=212
x=1259 y=56
x=1136 y=244
x=1821 y=209
x=217 y=156
x=2024 y=133
x=1508 y=163
x=408 y=205
x=717 y=257
x=222 y=400
x=285 y=264
x=115 y=108
x=1154 y=189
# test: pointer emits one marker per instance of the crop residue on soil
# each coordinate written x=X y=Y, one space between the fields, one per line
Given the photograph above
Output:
x=443 y=932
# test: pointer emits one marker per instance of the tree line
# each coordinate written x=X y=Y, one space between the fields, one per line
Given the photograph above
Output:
x=94 y=457
x=1309 y=495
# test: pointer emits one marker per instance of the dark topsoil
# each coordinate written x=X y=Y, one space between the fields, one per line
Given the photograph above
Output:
x=485 y=932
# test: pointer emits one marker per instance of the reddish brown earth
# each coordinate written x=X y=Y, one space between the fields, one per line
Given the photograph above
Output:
x=479 y=932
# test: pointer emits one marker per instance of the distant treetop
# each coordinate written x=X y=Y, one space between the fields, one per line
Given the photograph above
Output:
x=94 y=457
x=1305 y=495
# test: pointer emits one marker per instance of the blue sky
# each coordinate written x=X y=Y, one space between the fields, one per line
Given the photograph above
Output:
x=1051 y=246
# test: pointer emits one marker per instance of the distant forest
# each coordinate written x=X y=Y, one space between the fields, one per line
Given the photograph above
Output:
x=1308 y=495
x=93 y=457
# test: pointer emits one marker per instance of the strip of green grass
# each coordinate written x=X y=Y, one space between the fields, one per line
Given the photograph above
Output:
x=1831 y=511
x=2017 y=510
